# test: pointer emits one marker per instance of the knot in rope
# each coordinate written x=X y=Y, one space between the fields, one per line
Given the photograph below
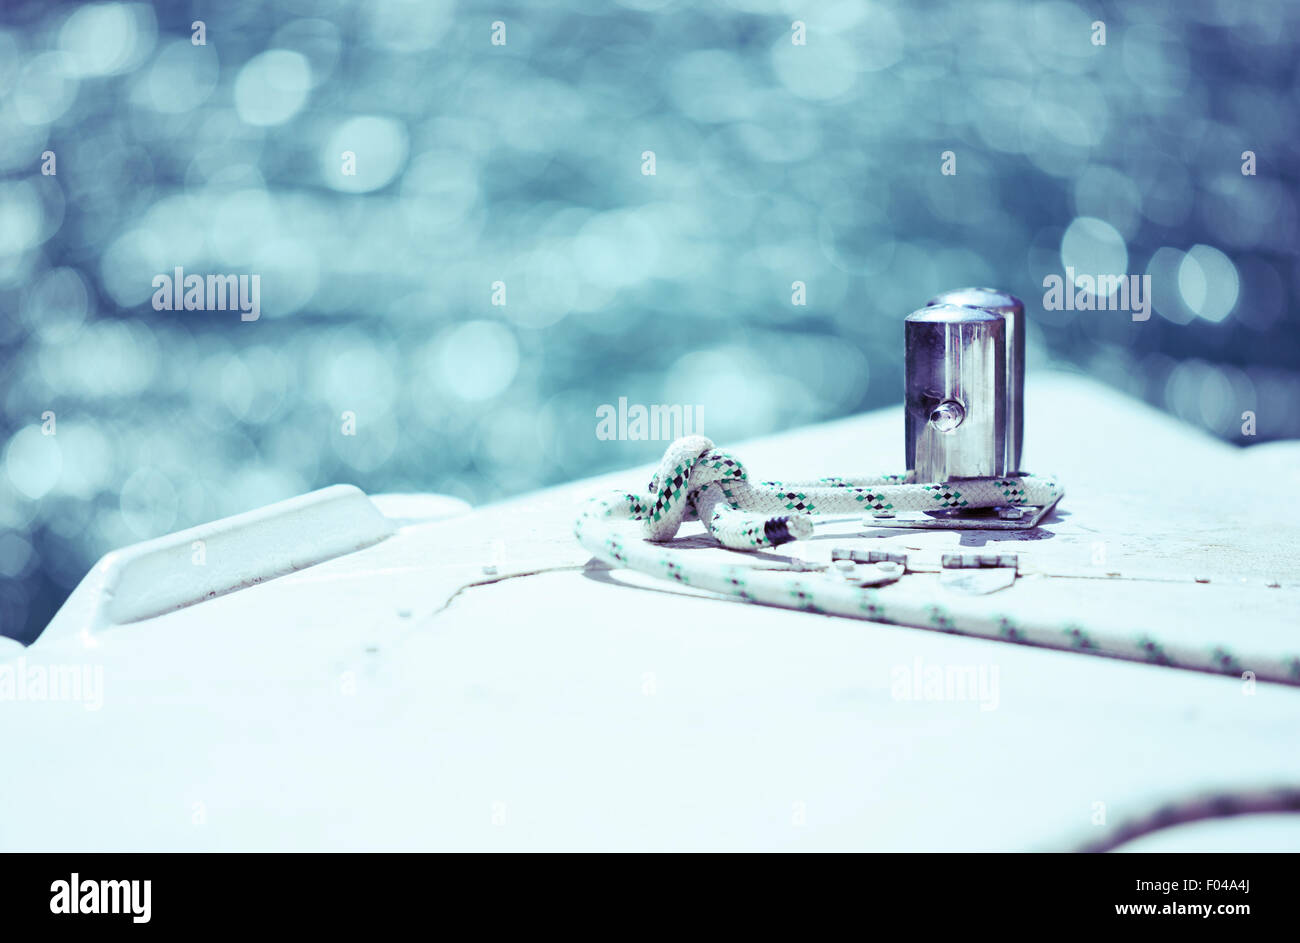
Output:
x=696 y=480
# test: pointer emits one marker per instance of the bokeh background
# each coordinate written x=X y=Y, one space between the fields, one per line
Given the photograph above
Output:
x=522 y=163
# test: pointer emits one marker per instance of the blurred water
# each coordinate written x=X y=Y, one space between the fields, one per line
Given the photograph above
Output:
x=524 y=163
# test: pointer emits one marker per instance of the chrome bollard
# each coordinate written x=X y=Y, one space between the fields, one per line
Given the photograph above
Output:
x=956 y=400
x=1013 y=312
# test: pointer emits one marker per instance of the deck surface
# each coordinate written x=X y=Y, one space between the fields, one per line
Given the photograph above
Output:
x=400 y=697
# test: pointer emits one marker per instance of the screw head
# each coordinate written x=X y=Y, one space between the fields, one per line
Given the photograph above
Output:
x=947 y=416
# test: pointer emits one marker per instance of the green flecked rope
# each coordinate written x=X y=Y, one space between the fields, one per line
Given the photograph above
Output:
x=697 y=481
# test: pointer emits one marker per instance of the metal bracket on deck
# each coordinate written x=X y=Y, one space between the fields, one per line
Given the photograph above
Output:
x=869 y=567
x=978 y=574
x=1020 y=517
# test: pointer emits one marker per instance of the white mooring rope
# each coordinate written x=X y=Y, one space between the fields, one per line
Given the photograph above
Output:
x=697 y=481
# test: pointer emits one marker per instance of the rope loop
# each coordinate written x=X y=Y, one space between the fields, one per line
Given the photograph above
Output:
x=696 y=480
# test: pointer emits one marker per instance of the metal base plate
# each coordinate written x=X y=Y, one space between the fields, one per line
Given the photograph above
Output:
x=966 y=518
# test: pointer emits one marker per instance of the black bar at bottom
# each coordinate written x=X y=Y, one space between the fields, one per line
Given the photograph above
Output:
x=169 y=892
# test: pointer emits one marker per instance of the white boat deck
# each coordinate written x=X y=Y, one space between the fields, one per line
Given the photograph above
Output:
x=355 y=681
